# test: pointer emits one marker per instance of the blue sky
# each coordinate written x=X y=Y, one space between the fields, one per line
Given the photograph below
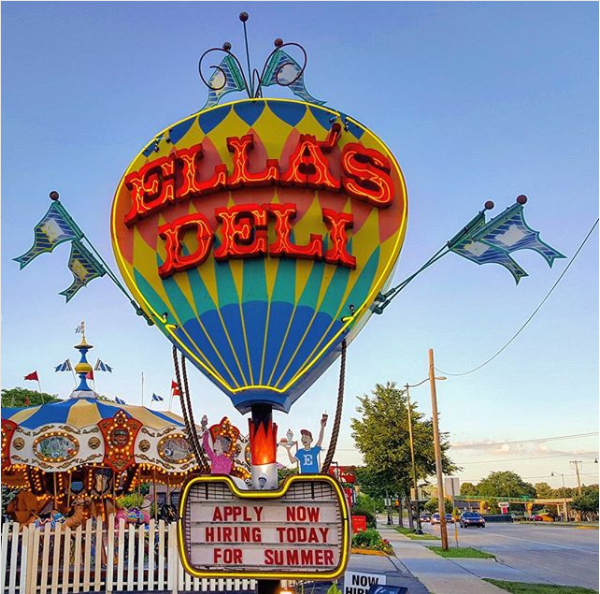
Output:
x=477 y=101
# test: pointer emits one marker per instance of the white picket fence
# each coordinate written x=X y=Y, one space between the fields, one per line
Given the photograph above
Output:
x=99 y=558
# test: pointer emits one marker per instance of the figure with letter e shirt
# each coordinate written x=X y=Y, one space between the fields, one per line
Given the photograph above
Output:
x=307 y=456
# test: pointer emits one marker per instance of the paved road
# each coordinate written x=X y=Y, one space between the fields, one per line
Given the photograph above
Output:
x=559 y=555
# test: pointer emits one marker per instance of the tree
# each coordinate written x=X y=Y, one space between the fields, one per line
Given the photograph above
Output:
x=587 y=501
x=564 y=492
x=376 y=484
x=364 y=501
x=432 y=506
x=505 y=484
x=18 y=397
x=381 y=435
x=544 y=491
x=468 y=489
x=283 y=473
x=589 y=488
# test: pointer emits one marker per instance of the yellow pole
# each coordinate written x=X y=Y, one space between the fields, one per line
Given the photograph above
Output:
x=69 y=491
x=154 y=489
x=456 y=531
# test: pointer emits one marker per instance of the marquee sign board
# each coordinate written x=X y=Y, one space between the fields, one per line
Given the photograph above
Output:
x=300 y=531
x=256 y=235
x=361 y=583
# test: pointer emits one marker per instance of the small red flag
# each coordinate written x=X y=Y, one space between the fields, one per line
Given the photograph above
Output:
x=175 y=388
x=33 y=376
x=90 y=375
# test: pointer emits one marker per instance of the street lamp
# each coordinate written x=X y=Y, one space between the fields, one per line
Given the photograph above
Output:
x=407 y=387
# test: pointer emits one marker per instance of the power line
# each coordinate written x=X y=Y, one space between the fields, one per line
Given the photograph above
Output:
x=532 y=315
x=488 y=443
x=501 y=460
x=532 y=477
x=534 y=440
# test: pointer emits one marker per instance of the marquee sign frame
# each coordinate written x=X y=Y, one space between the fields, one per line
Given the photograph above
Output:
x=253 y=573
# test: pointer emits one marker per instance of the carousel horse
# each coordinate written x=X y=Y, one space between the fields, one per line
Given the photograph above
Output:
x=55 y=518
x=81 y=505
x=25 y=507
x=80 y=511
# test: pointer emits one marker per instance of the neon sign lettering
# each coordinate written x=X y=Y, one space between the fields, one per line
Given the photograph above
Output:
x=180 y=177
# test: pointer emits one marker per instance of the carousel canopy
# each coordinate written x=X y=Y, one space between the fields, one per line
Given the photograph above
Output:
x=86 y=431
x=83 y=412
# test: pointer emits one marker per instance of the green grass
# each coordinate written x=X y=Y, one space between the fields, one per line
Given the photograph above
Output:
x=410 y=534
x=523 y=588
x=462 y=553
x=588 y=525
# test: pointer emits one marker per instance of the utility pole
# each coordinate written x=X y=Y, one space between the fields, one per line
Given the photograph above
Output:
x=576 y=464
x=438 y=454
x=565 y=506
x=419 y=530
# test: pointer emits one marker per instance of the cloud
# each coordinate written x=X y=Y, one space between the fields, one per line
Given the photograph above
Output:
x=501 y=450
x=538 y=445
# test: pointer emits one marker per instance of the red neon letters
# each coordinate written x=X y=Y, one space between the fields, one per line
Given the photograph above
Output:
x=283 y=214
x=367 y=175
x=244 y=230
x=174 y=233
x=243 y=234
x=241 y=176
x=337 y=223
x=182 y=176
x=308 y=165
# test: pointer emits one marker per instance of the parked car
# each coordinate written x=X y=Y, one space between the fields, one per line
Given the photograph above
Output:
x=449 y=519
x=435 y=519
x=425 y=518
x=536 y=518
x=471 y=519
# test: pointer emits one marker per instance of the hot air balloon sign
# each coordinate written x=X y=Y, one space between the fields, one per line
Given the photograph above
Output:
x=256 y=235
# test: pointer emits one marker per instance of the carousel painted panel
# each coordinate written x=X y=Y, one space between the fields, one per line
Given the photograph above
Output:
x=56 y=448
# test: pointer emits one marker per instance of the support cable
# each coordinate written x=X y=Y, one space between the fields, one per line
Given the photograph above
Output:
x=338 y=413
x=189 y=428
x=535 y=311
x=188 y=400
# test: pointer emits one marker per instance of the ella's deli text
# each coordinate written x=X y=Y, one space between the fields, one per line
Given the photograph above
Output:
x=180 y=177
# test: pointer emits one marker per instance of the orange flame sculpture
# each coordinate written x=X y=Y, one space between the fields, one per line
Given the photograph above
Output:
x=263 y=441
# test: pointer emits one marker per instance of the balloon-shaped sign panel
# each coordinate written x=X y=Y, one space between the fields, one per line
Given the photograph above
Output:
x=256 y=235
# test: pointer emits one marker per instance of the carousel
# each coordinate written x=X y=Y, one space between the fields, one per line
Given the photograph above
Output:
x=82 y=456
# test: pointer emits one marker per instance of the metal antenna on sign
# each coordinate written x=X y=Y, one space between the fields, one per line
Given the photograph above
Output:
x=244 y=19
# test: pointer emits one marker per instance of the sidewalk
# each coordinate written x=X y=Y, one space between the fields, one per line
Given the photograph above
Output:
x=440 y=575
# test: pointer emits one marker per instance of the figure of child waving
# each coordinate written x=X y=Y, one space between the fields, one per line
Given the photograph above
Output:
x=308 y=456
